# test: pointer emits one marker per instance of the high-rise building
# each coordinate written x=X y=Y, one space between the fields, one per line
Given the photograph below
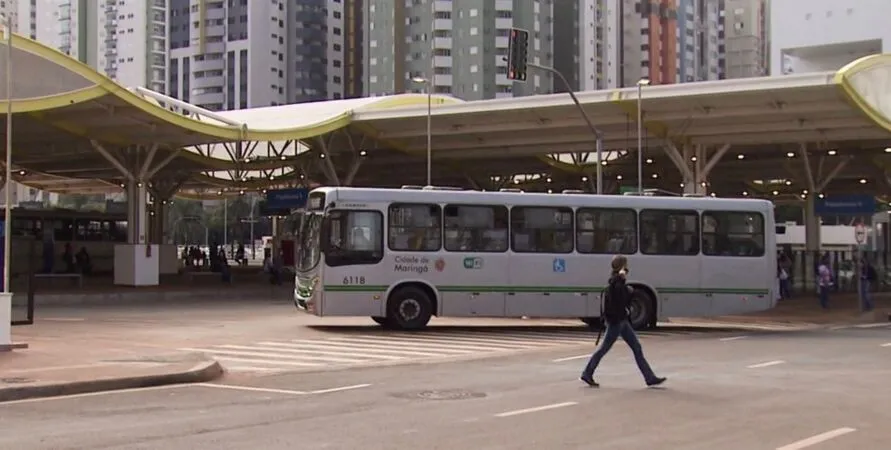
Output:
x=467 y=50
x=820 y=35
x=582 y=42
x=745 y=38
x=124 y=39
x=699 y=40
x=237 y=54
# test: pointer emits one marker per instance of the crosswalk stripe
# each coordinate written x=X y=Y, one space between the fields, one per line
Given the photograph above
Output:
x=266 y=361
x=273 y=356
x=354 y=346
x=438 y=343
x=540 y=337
x=503 y=339
x=349 y=349
x=302 y=353
x=398 y=342
x=487 y=342
x=251 y=369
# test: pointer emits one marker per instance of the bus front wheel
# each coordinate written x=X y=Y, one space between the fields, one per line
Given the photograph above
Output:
x=409 y=308
x=643 y=309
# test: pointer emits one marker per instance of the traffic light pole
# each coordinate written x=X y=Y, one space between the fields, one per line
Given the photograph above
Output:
x=597 y=133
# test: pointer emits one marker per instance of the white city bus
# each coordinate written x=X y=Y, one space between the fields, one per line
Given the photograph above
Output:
x=401 y=256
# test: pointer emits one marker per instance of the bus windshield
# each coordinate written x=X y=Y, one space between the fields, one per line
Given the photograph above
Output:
x=309 y=253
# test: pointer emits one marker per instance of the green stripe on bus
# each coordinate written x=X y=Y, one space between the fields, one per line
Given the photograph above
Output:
x=547 y=289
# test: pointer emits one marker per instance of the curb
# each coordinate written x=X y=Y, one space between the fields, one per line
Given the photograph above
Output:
x=200 y=373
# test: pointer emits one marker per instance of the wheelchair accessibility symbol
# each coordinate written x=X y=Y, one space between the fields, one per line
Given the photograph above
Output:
x=559 y=265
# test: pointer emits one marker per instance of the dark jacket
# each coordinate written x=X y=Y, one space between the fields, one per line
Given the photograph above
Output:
x=617 y=301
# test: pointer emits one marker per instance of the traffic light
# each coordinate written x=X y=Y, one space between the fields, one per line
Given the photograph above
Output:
x=517 y=51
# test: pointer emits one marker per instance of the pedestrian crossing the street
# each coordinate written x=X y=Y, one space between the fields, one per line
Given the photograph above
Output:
x=366 y=349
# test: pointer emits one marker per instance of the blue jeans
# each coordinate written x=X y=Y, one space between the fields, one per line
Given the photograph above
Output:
x=824 y=296
x=785 y=289
x=865 y=301
x=626 y=332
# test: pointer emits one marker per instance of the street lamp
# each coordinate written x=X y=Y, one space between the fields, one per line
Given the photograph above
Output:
x=429 y=84
x=6 y=308
x=640 y=84
x=427 y=87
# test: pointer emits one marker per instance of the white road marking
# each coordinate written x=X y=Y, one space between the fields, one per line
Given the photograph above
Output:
x=251 y=389
x=220 y=354
x=570 y=358
x=814 y=440
x=734 y=338
x=281 y=391
x=536 y=409
x=339 y=350
x=303 y=353
x=873 y=325
x=340 y=389
x=365 y=348
x=252 y=369
x=495 y=344
x=439 y=347
x=887 y=345
x=94 y=394
x=265 y=362
x=766 y=364
x=543 y=340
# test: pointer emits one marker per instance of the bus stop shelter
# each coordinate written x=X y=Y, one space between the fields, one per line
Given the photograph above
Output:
x=797 y=136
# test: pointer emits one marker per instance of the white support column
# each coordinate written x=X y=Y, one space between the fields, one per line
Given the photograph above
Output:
x=136 y=262
x=822 y=184
x=689 y=177
x=714 y=160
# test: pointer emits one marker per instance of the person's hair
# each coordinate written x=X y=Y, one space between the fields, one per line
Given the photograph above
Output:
x=619 y=262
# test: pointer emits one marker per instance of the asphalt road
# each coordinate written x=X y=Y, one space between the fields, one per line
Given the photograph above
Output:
x=818 y=389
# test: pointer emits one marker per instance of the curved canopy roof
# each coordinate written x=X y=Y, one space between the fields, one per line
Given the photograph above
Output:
x=762 y=121
x=61 y=105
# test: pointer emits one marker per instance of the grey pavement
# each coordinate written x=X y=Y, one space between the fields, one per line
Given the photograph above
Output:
x=808 y=389
x=262 y=337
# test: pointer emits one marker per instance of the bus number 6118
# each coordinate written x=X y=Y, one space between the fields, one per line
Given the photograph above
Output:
x=353 y=280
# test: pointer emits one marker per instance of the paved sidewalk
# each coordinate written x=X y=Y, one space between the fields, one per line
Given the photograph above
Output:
x=57 y=367
x=805 y=309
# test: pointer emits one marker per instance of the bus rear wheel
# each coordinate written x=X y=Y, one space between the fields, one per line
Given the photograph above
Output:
x=409 y=308
x=642 y=311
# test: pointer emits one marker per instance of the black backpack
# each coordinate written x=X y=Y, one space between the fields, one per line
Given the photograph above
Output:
x=871 y=274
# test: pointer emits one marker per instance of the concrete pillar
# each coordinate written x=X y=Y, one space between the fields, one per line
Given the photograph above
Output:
x=811 y=239
x=136 y=262
x=137 y=212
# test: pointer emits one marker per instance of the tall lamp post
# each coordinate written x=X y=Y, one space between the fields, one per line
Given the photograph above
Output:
x=427 y=88
x=6 y=308
x=429 y=85
x=640 y=84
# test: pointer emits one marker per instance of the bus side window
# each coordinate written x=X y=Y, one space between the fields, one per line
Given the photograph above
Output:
x=549 y=229
x=475 y=228
x=606 y=231
x=732 y=233
x=672 y=232
x=414 y=227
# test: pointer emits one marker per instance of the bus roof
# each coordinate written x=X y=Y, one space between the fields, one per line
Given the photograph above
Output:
x=354 y=194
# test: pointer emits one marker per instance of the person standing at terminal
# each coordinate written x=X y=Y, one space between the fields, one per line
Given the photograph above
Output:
x=616 y=304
